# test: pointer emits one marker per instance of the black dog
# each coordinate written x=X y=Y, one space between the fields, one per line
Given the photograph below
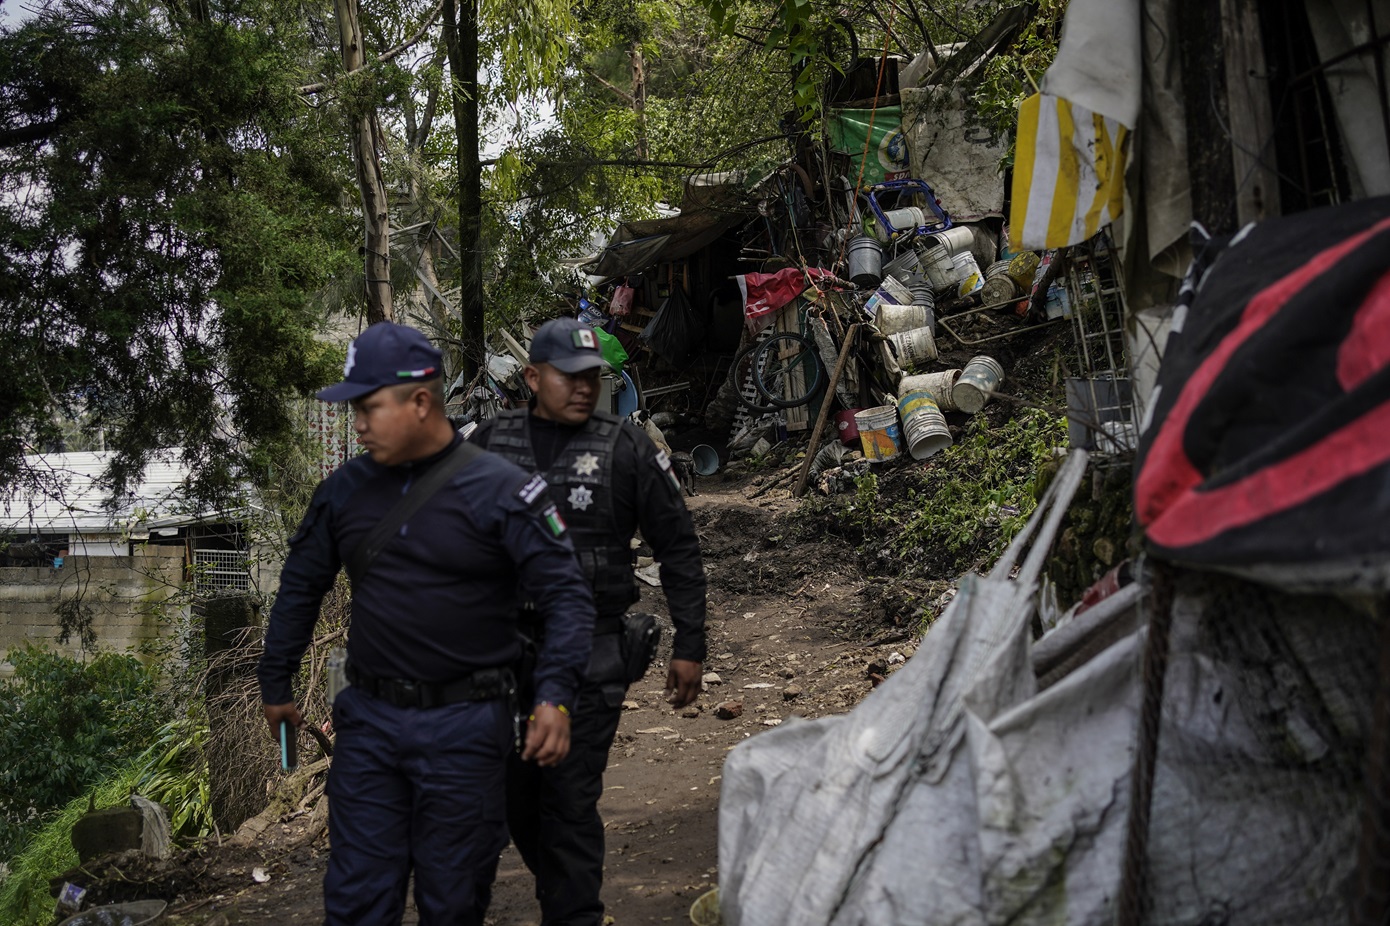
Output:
x=684 y=466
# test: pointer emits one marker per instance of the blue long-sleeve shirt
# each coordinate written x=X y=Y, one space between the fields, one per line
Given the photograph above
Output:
x=440 y=601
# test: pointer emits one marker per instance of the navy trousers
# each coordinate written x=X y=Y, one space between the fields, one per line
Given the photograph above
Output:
x=415 y=789
x=553 y=812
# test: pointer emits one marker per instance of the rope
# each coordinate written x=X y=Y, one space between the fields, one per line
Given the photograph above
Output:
x=1133 y=904
x=869 y=134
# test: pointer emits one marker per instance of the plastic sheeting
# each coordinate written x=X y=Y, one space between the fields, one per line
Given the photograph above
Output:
x=961 y=791
x=957 y=156
x=815 y=815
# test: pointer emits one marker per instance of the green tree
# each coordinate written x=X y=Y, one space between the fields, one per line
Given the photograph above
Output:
x=169 y=212
x=651 y=94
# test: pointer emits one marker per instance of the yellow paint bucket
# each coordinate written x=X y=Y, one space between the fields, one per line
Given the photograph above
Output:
x=878 y=432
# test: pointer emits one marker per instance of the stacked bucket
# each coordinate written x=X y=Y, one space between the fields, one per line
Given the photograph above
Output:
x=918 y=420
x=942 y=262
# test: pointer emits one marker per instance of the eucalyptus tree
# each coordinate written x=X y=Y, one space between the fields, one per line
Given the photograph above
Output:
x=170 y=210
x=650 y=93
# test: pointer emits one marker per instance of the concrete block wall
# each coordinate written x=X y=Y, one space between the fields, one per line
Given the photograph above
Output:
x=132 y=598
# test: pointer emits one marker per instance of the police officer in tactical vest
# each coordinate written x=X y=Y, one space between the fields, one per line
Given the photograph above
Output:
x=440 y=539
x=608 y=480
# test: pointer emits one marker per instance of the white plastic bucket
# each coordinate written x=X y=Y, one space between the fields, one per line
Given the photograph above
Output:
x=915 y=347
x=969 y=279
x=904 y=266
x=705 y=458
x=895 y=319
x=878 y=432
x=978 y=379
x=942 y=385
x=957 y=239
x=923 y=293
x=924 y=427
x=899 y=220
x=940 y=271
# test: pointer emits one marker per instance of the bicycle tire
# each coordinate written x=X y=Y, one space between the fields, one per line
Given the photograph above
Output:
x=766 y=371
x=736 y=377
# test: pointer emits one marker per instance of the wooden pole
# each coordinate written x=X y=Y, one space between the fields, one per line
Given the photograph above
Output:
x=812 y=447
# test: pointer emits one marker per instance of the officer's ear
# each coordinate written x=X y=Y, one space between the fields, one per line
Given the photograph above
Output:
x=419 y=397
x=532 y=374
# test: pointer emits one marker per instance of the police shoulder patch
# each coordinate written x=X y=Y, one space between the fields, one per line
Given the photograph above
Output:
x=552 y=519
x=533 y=489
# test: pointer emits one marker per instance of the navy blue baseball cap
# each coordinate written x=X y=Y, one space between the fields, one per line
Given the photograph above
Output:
x=567 y=344
x=386 y=354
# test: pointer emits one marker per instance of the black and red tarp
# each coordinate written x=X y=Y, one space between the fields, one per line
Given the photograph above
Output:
x=1269 y=445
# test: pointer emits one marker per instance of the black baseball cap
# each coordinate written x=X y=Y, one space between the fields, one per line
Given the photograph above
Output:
x=567 y=344
x=386 y=354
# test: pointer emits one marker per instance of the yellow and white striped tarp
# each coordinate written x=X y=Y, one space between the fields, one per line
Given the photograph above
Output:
x=1069 y=173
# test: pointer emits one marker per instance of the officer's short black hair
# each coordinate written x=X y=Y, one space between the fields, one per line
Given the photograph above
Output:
x=435 y=386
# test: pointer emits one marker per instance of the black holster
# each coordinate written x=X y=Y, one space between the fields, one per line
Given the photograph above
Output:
x=640 y=636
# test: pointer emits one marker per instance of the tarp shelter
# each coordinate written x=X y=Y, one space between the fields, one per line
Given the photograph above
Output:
x=713 y=203
x=1269 y=447
x=960 y=157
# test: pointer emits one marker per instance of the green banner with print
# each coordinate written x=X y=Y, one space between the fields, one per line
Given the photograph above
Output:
x=887 y=149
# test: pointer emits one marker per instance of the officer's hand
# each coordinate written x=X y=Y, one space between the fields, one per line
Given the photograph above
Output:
x=547 y=736
x=274 y=713
x=683 y=682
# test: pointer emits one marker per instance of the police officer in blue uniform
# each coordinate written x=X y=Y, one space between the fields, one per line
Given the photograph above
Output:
x=427 y=724
x=608 y=479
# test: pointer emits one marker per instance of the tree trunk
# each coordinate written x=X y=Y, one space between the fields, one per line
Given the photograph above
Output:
x=639 y=98
x=366 y=155
x=427 y=295
x=461 y=38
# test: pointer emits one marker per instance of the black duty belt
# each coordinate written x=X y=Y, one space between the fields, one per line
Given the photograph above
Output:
x=482 y=685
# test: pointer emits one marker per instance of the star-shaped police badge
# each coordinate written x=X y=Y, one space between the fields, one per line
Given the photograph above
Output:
x=586 y=465
x=581 y=497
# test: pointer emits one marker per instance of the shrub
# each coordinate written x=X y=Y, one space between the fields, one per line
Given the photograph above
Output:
x=68 y=724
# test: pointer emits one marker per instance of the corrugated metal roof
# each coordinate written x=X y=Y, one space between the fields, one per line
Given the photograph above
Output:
x=74 y=491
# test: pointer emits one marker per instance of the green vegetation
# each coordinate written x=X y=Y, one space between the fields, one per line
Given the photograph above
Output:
x=977 y=498
x=930 y=524
x=98 y=727
x=24 y=895
x=84 y=719
x=171 y=772
x=170 y=213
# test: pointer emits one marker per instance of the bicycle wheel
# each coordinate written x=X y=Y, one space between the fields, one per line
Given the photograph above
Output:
x=787 y=370
x=744 y=380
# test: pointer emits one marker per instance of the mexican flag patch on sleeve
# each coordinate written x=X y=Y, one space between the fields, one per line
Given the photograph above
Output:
x=551 y=516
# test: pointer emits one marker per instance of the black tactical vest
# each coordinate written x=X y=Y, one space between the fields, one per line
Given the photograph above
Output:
x=581 y=485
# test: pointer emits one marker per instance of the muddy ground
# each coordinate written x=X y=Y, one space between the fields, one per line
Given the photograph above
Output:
x=791 y=631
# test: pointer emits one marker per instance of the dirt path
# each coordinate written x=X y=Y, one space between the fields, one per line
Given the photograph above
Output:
x=789 y=634
x=786 y=637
